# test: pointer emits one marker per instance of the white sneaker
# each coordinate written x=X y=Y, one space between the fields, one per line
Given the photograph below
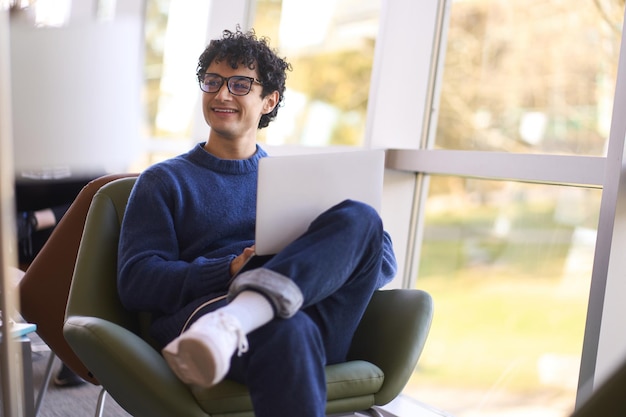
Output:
x=201 y=355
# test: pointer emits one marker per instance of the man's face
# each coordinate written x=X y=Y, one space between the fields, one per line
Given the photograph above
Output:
x=231 y=116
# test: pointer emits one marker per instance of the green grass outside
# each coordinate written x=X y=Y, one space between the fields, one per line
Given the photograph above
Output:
x=500 y=306
x=486 y=329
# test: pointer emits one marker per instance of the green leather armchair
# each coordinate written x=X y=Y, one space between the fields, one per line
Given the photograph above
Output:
x=114 y=345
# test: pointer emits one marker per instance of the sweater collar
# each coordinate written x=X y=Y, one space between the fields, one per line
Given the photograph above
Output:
x=227 y=166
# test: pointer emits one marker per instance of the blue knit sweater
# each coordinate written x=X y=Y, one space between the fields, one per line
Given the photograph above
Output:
x=186 y=220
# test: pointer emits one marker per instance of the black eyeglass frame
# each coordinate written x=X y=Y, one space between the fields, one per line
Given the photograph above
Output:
x=227 y=81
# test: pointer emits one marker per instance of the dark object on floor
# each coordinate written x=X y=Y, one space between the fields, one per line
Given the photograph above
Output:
x=67 y=378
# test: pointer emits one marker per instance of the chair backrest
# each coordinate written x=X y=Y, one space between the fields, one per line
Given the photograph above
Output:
x=45 y=286
x=392 y=335
x=98 y=297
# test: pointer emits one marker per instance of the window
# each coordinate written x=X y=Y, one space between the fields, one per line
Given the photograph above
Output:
x=509 y=266
x=518 y=76
x=509 y=263
x=175 y=34
x=330 y=44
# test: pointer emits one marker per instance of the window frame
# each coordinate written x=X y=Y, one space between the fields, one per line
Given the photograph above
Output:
x=604 y=345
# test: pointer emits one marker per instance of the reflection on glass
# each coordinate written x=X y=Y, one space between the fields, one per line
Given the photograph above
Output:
x=330 y=44
x=530 y=76
x=509 y=267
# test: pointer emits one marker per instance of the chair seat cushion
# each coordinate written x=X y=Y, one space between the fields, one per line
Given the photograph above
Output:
x=354 y=379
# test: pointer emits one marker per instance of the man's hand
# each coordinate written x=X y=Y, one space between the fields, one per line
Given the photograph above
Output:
x=240 y=260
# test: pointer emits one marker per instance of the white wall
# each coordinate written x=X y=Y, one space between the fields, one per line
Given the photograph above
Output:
x=76 y=95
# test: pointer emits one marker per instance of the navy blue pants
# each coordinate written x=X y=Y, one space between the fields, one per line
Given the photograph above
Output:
x=336 y=265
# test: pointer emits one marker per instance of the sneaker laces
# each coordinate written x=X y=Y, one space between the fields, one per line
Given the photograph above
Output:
x=232 y=324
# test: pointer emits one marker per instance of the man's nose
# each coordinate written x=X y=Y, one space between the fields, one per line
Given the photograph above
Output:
x=223 y=93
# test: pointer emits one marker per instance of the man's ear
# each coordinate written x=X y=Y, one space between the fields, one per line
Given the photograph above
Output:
x=271 y=100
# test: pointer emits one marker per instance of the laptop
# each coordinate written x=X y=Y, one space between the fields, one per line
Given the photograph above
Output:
x=293 y=190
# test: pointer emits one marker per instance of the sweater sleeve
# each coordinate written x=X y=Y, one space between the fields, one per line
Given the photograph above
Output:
x=151 y=275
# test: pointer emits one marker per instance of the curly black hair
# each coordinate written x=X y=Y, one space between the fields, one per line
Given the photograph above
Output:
x=239 y=48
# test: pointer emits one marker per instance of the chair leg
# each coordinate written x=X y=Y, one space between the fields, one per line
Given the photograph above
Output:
x=44 y=384
x=100 y=406
x=375 y=413
x=371 y=412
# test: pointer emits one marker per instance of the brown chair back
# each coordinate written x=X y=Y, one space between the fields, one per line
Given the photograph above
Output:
x=44 y=289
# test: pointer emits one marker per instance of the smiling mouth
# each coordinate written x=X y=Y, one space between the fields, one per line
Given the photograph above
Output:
x=224 y=110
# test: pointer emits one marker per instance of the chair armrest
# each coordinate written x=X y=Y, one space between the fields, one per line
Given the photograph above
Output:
x=134 y=373
x=392 y=335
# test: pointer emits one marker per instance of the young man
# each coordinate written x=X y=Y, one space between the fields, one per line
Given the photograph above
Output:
x=189 y=227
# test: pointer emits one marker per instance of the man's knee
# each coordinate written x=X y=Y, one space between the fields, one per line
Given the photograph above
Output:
x=357 y=217
x=284 y=295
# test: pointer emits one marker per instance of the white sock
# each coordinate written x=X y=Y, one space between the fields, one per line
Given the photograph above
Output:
x=252 y=310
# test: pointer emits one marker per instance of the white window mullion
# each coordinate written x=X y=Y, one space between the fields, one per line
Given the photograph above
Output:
x=604 y=346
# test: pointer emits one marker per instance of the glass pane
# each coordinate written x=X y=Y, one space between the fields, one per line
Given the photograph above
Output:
x=174 y=38
x=175 y=32
x=531 y=76
x=509 y=266
x=330 y=44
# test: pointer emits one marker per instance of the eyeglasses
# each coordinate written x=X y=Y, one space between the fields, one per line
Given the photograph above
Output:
x=237 y=85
